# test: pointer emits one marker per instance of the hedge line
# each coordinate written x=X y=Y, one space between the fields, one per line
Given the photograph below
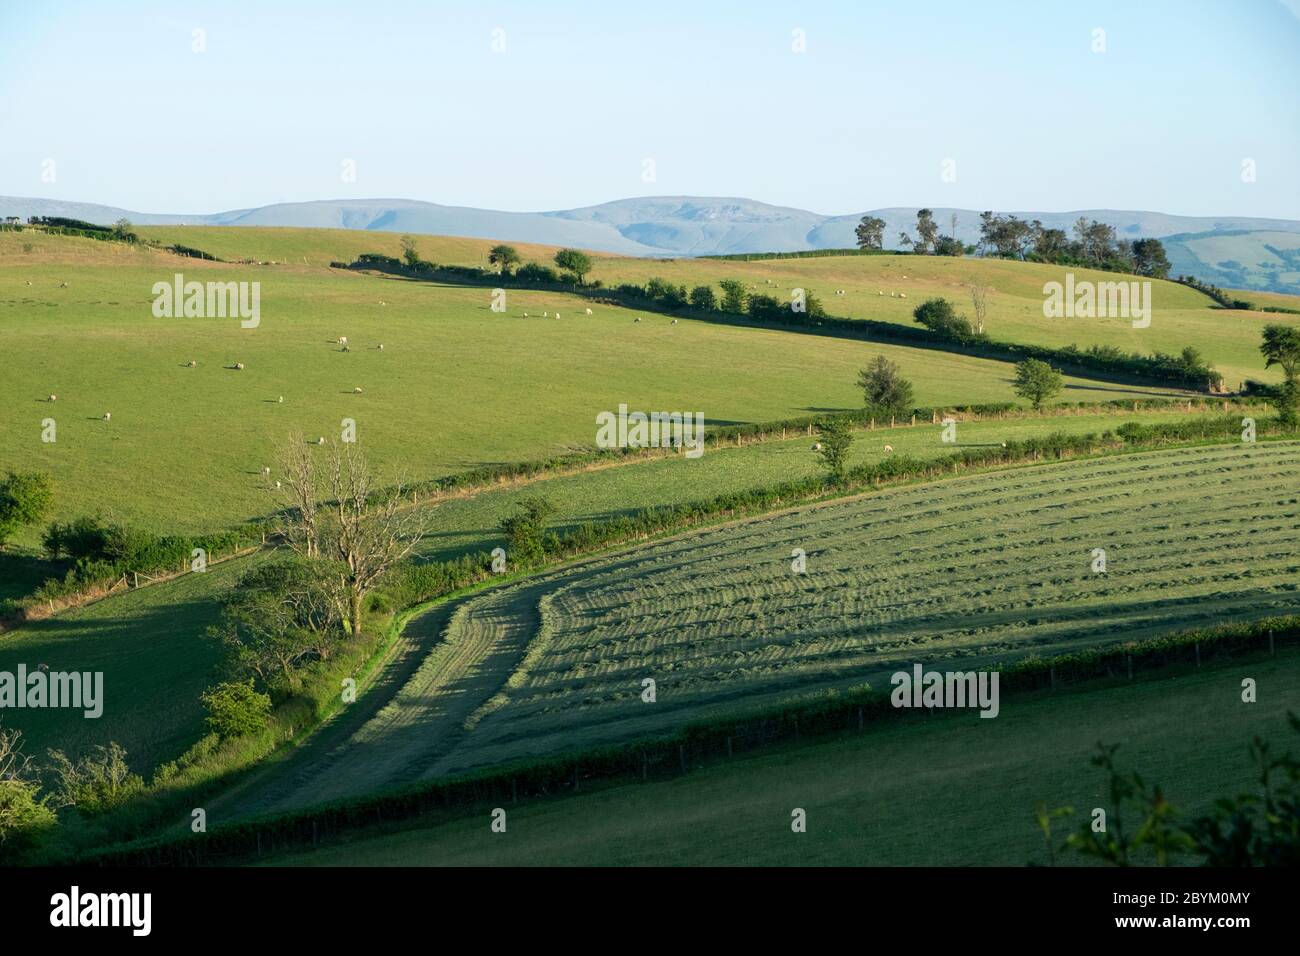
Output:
x=820 y=714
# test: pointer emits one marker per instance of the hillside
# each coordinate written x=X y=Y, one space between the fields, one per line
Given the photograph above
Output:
x=703 y=225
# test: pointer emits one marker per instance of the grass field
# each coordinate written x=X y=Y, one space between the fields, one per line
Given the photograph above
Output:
x=455 y=386
x=944 y=790
x=981 y=569
x=166 y=621
x=1181 y=316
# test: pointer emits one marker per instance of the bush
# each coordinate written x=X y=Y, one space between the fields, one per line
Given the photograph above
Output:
x=235 y=709
x=525 y=531
x=97 y=783
x=25 y=498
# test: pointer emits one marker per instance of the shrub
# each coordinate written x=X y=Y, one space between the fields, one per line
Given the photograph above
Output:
x=525 y=530
x=96 y=783
x=25 y=498
x=235 y=709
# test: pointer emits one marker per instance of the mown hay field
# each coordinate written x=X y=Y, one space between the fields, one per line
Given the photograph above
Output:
x=970 y=571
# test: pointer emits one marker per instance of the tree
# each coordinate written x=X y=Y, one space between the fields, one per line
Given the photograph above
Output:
x=885 y=392
x=734 y=295
x=25 y=498
x=1281 y=346
x=835 y=438
x=939 y=317
x=927 y=231
x=979 y=301
x=702 y=298
x=410 y=255
x=236 y=709
x=339 y=517
x=122 y=229
x=1036 y=381
x=506 y=257
x=525 y=531
x=871 y=233
x=96 y=782
x=279 y=615
x=571 y=260
x=1149 y=258
x=24 y=812
x=949 y=246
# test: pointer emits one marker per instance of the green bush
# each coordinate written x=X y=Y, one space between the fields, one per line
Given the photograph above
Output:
x=235 y=709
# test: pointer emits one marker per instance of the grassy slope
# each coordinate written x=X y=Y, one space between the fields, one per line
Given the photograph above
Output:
x=456 y=386
x=1182 y=316
x=122 y=626
x=717 y=618
x=949 y=790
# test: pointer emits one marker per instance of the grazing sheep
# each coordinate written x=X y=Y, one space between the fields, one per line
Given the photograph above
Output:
x=878 y=292
x=382 y=302
x=839 y=291
x=525 y=315
x=63 y=285
x=817 y=446
x=280 y=400
x=321 y=440
x=239 y=366
x=546 y=315
x=277 y=485
x=108 y=416
x=589 y=311
x=637 y=319
x=889 y=449
x=902 y=295
x=357 y=390
x=343 y=340
x=893 y=295
x=266 y=471
x=192 y=364
x=557 y=315
x=381 y=346
x=53 y=397
x=674 y=321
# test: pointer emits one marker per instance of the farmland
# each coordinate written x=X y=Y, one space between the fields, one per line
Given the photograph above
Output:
x=941 y=791
x=455 y=386
x=977 y=570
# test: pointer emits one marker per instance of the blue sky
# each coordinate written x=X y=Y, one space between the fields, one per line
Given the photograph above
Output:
x=713 y=93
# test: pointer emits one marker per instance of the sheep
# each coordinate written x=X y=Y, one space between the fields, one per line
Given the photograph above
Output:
x=108 y=416
x=839 y=291
x=321 y=440
x=266 y=471
x=357 y=390
x=52 y=398
x=192 y=364
x=382 y=302
x=902 y=295
x=280 y=400
x=239 y=366
x=589 y=311
x=277 y=485
x=878 y=292
x=546 y=315
x=817 y=446
x=343 y=340
x=381 y=346
x=63 y=285
x=345 y=349
x=889 y=449
x=525 y=315
x=674 y=321
x=557 y=315
x=29 y=281
x=893 y=295
x=904 y=277
x=637 y=319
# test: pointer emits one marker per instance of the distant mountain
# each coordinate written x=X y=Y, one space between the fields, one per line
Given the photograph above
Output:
x=694 y=226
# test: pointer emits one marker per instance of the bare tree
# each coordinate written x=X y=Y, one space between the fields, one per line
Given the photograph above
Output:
x=300 y=525
x=979 y=300
x=359 y=532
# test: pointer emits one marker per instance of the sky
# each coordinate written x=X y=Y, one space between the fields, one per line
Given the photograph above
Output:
x=175 y=107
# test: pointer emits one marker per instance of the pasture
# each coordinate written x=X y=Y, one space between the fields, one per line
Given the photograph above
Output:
x=946 y=790
x=455 y=385
x=972 y=570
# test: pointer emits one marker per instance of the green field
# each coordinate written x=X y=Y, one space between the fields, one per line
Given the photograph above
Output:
x=456 y=385
x=937 y=791
x=978 y=569
x=166 y=621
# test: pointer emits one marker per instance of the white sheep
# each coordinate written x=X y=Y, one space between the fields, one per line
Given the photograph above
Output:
x=343 y=340
x=904 y=277
x=525 y=315
x=266 y=471
x=637 y=319
x=53 y=397
x=280 y=400
x=108 y=416
x=239 y=366
x=546 y=315
x=277 y=485
x=839 y=291
x=817 y=446
x=321 y=440
x=589 y=311
x=357 y=390
x=557 y=315
x=878 y=292
x=382 y=302
x=893 y=295
x=381 y=346
x=63 y=285
x=674 y=321
x=889 y=449
x=902 y=295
